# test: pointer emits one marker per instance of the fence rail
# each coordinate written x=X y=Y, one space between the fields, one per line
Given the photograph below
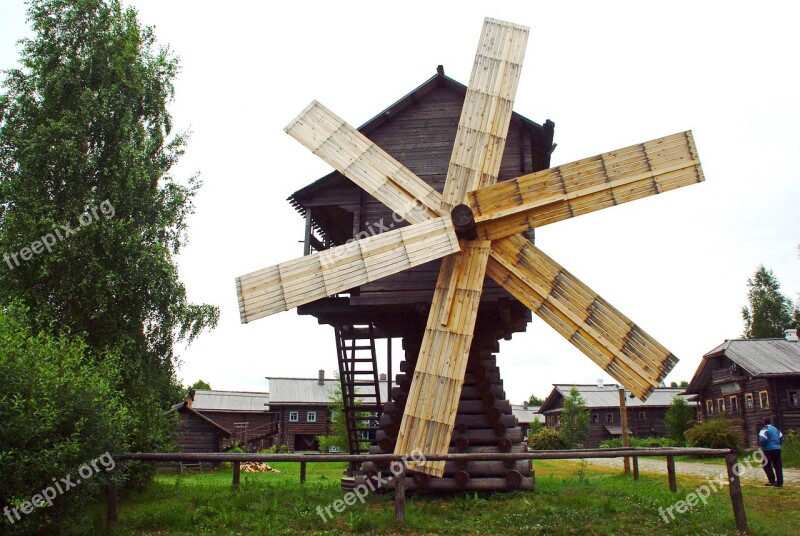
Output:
x=635 y=453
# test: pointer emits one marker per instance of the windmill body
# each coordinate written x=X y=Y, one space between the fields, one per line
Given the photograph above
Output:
x=441 y=192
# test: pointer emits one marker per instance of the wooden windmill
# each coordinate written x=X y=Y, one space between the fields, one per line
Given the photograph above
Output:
x=475 y=226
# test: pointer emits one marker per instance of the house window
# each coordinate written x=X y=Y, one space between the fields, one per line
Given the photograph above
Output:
x=794 y=398
x=709 y=407
x=642 y=416
x=311 y=416
x=734 y=404
x=594 y=418
x=764 y=398
x=721 y=405
x=609 y=418
x=748 y=401
x=294 y=416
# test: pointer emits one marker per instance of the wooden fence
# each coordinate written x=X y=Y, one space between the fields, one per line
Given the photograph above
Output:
x=633 y=453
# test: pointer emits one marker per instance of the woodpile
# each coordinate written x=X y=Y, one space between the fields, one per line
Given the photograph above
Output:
x=257 y=467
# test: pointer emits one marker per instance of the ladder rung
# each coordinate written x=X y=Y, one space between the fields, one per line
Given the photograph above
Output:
x=359 y=360
x=357 y=347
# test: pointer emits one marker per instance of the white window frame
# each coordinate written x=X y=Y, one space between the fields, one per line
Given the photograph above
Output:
x=748 y=402
x=294 y=416
x=311 y=416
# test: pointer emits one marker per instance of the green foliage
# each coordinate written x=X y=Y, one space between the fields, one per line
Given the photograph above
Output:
x=548 y=439
x=575 y=419
x=714 y=434
x=86 y=143
x=644 y=442
x=337 y=438
x=60 y=409
x=535 y=401
x=536 y=426
x=200 y=384
x=675 y=385
x=770 y=312
x=791 y=449
x=678 y=418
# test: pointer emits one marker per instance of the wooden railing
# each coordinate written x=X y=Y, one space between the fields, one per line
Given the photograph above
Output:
x=634 y=453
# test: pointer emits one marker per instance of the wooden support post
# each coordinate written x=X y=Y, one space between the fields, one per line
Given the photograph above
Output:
x=302 y=472
x=400 y=496
x=673 y=483
x=735 y=487
x=623 y=418
x=111 y=507
x=236 y=471
x=636 y=468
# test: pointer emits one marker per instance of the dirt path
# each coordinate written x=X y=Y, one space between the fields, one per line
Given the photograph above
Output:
x=752 y=475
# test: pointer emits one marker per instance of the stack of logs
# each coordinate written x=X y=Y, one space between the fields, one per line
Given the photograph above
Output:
x=484 y=423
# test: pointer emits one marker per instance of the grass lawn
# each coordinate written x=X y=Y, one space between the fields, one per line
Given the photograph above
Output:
x=569 y=499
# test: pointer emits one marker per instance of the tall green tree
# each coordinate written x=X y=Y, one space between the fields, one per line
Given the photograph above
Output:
x=90 y=217
x=534 y=400
x=575 y=419
x=769 y=312
x=678 y=418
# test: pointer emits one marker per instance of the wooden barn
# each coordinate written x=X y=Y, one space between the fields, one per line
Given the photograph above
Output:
x=231 y=417
x=419 y=131
x=746 y=380
x=645 y=419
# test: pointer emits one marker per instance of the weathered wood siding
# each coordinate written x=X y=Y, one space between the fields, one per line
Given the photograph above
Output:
x=195 y=434
x=288 y=430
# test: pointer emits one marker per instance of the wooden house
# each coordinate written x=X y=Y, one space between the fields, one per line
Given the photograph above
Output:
x=302 y=408
x=232 y=417
x=525 y=415
x=645 y=419
x=746 y=380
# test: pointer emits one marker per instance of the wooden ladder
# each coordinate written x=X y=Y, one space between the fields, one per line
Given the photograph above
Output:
x=358 y=374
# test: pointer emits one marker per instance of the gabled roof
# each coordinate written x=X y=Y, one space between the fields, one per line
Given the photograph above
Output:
x=307 y=390
x=526 y=414
x=607 y=396
x=757 y=357
x=438 y=80
x=239 y=401
x=181 y=407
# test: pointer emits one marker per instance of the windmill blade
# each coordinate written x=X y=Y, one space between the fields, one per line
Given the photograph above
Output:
x=586 y=186
x=429 y=415
x=482 y=128
x=591 y=324
x=303 y=280
x=432 y=401
x=360 y=160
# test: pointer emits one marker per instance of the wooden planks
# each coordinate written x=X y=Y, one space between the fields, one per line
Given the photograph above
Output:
x=591 y=324
x=485 y=117
x=303 y=280
x=585 y=186
x=430 y=411
x=366 y=164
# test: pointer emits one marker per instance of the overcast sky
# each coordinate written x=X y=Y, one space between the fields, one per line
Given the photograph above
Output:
x=609 y=74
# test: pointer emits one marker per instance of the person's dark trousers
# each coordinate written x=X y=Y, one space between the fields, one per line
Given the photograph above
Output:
x=774 y=467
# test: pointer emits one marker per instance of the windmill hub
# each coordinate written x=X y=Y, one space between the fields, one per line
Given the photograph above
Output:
x=464 y=222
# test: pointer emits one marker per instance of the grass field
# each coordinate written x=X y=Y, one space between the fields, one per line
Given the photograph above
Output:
x=569 y=499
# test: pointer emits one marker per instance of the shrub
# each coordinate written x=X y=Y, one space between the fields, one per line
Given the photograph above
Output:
x=548 y=439
x=791 y=449
x=678 y=419
x=59 y=411
x=714 y=434
x=644 y=442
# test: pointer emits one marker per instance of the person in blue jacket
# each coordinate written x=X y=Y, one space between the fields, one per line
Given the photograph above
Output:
x=770 y=439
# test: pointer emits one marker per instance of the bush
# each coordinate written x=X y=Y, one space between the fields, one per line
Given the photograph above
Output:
x=59 y=412
x=678 y=419
x=548 y=439
x=642 y=442
x=791 y=449
x=714 y=434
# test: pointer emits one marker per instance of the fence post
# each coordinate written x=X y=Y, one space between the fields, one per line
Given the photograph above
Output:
x=673 y=484
x=737 y=501
x=636 y=468
x=236 y=468
x=111 y=507
x=400 y=495
x=302 y=472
